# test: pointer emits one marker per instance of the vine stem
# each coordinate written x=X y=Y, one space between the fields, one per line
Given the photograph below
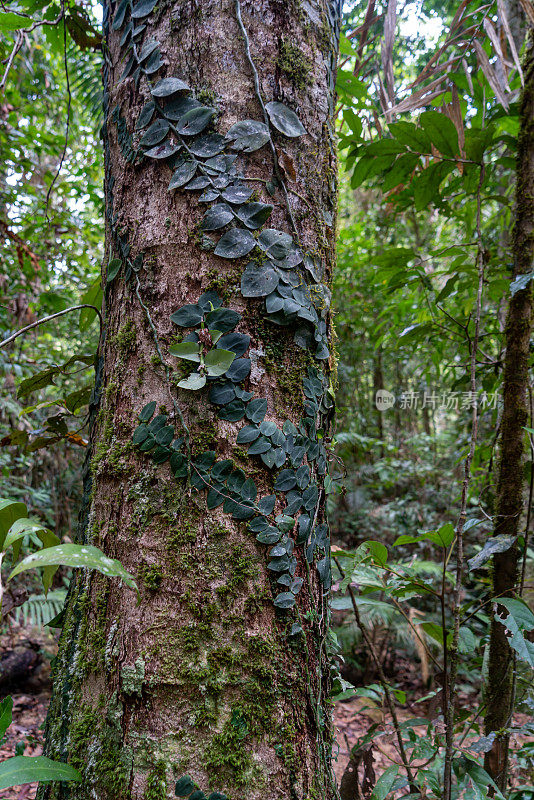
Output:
x=177 y=408
x=383 y=681
x=257 y=90
x=452 y=652
x=47 y=319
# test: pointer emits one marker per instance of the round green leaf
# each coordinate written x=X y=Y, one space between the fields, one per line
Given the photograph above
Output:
x=233 y=411
x=178 y=106
x=275 y=243
x=235 y=243
x=239 y=370
x=285 y=481
x=237 y=193
x=221 y=394
x=248 y=135
x=217 y=217
x=248 y=434
x=284 y=600
x=258 y=280
x=256 y=410
x=236 y=342
x=222 y=319
x=188 y=316
x=207 y=146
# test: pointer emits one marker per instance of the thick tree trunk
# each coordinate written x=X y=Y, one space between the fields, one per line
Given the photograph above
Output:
x=206 y=677
x=499 y=690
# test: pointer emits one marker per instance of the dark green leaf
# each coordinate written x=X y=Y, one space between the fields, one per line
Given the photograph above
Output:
x=247 y=434
x=275 y=243
x=178 y=106
x=256 y=410
x=140 y=434
x=248 y=135
x=184 y=787
x=155 y=134
x=236 y=342
x=261 y=445
x=195 y=120
x=147 y=412
x=168 y=86
x=270 y=535
x=249 y=490
x=183 y=173
x=113 y=269
x=208 y=302
x=285 y=120
x=235 y=243
x=232 y=412
x=165 y=435
x=237 y=193
x=284 y=600
x=222 y=319
x=266 y=504
x=258 y=280
x=217 y=217
x=206 y=146
x=165 y=150
x=441 y=131
x=221 y=394
x=285 y=481
x=239 y=370
x=188 y=316
x=254 y=215
x=143 y=8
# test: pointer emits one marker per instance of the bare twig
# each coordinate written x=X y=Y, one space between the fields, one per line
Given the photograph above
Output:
x=47 y=319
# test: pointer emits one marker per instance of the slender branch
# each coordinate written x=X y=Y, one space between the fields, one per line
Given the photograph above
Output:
x=47 y=319
x=383 y=681
x=69 y=103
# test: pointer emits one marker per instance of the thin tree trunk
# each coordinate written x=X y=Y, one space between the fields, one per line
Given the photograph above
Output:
x=206 y=677
x=499 y=690
x=378 y=384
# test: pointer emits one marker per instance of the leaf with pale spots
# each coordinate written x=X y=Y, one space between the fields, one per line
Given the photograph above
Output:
x=75 y=555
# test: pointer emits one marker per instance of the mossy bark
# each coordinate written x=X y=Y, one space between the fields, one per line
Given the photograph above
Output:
x=200 y=677
x=510 y=489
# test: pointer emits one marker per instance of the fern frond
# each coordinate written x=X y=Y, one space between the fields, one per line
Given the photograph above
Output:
x=39 y=609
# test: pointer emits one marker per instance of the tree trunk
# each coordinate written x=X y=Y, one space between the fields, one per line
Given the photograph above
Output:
x=208 y=676
x=499 y=690
x=378 y=385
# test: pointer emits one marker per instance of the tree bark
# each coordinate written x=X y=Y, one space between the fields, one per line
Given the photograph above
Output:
x=510 y=488
x=205 y=677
